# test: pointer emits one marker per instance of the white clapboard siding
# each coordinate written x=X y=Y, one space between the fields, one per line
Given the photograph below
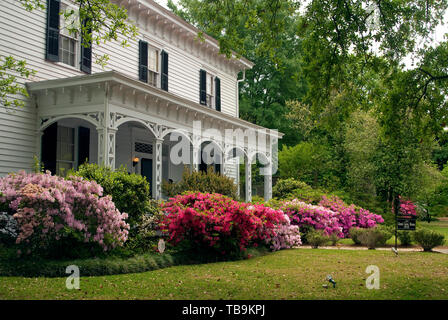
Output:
x=23 y=36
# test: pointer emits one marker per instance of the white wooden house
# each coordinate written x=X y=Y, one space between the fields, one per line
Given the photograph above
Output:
x=125 y=114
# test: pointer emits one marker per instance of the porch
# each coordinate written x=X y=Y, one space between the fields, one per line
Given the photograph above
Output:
x=113 y=120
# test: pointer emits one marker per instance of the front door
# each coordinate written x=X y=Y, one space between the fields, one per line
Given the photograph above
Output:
x=146 y=170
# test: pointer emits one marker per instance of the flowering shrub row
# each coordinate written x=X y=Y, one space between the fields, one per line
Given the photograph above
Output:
x=218 y=222
x=49 y=208
x=332 y=216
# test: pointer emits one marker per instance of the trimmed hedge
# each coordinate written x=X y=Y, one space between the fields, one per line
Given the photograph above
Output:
x=114 y=265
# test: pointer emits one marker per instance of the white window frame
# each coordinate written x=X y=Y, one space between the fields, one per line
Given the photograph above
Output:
x=210 y=98
x=158 y=65
x=76 y=38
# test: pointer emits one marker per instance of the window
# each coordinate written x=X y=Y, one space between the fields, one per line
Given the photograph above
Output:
x=65 y=146
x=209 y=90
x=68 y=41
x=153 y=66
x=61 y=44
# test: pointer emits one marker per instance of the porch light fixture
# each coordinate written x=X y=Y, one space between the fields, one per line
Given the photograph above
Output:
x=135 y=161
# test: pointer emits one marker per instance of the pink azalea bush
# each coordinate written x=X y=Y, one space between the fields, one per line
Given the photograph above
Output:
x=332 y=216
x=350 y=215
x=286 y=236
x=220 y=223
x=50 y=208
x=408 y=208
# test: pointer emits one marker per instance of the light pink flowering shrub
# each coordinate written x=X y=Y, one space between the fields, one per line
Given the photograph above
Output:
x=50 y=208
x=286 y=236
x=316 y=217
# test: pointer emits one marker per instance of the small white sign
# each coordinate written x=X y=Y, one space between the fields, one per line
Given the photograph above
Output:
x=161 y=246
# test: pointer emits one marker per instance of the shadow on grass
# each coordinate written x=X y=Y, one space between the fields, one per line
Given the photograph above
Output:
x=115 y=265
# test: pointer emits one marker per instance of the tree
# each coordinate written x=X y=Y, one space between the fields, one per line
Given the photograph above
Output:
x=10 y=68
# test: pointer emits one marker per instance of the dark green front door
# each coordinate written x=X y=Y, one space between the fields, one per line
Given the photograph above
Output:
x=146 y=170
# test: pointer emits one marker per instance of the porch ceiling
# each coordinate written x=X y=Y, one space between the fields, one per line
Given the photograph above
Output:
x=112 y=79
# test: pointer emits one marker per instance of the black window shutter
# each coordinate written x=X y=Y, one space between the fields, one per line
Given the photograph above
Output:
x=49 y=147
x=164 y=79
x=203 y=87
x=52 y=50
x=218 y=94
x=86 y=53
x=83 y=145
x=143 y=61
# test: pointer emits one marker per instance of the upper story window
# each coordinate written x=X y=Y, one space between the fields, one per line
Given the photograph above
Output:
x=210 y=79
x=153 y=66
x=68 y=41
x=209 y=90
x=62 y=45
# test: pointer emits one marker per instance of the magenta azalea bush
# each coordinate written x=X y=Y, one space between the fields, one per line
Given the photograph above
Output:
x=332 y=216
x=408 y=208
x=50 y=208
x=222 y=224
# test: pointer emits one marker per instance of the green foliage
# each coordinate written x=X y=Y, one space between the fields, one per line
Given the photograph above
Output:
x=205 y=182
x=374 y=237
x=10 y=70
x=428 y=239
x=405 y=237
x=257 y=200
x=354 y=235
x=316 y=238
x=130 y=192
x=145 y=237
x=284 y=187
x=308 y=162
x=288 y=189
x=334 y=239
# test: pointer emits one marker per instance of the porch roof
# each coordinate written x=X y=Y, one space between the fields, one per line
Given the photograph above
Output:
x=116 y=78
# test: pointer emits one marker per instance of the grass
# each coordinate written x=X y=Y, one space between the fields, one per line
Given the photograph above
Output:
x=287 y=274
x=439 y=226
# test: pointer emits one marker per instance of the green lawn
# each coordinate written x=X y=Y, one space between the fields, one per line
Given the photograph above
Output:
x=439 y=226
x=287 y=274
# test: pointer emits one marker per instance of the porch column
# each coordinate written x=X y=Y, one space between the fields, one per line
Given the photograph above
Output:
x=196 y=150
x=157 y=168
x=39 y=134
x=106 y=146
x=248 y=180
x=268 y=182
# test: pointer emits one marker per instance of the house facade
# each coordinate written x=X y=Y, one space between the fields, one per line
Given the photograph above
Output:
x=166 y=103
